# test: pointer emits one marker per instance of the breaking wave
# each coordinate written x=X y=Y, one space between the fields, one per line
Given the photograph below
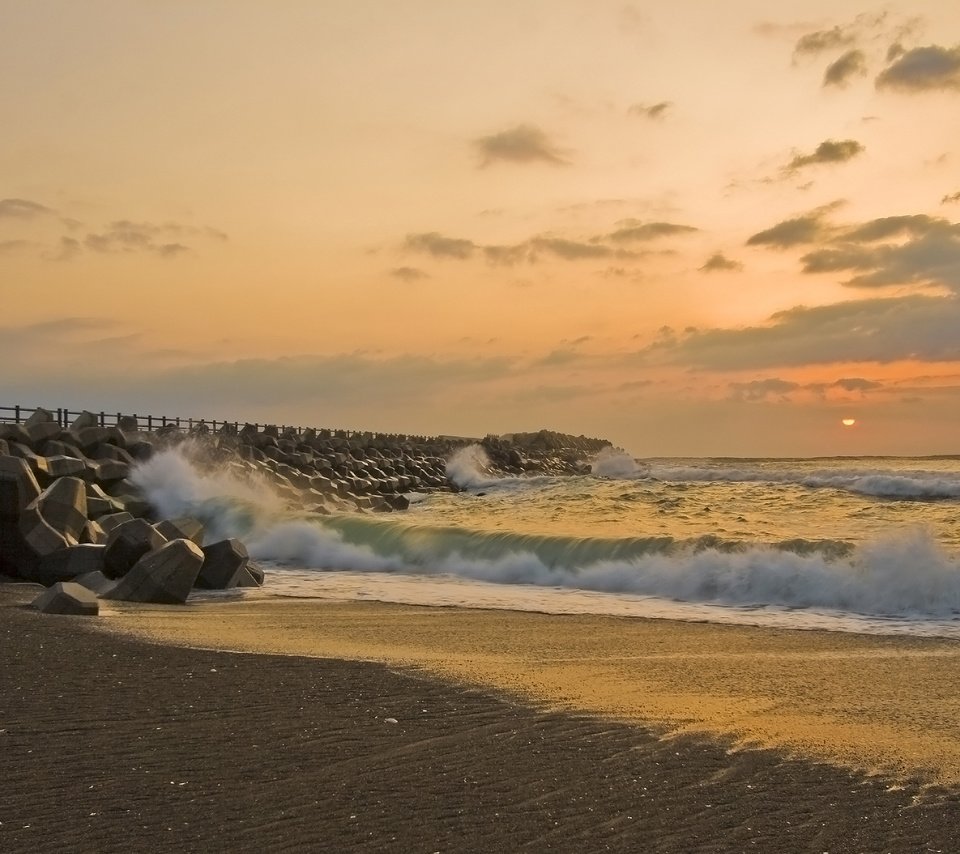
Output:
x=906 y=574
x=875 y=483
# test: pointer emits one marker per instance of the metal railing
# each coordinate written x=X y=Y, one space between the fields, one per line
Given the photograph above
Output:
x=150 y=423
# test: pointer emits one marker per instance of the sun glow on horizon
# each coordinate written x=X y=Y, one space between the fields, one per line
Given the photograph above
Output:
x=848 y=422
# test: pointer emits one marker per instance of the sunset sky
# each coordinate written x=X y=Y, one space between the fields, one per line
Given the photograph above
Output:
x=692 y=228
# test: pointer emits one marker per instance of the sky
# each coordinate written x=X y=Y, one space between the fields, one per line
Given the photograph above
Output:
x=691 y=228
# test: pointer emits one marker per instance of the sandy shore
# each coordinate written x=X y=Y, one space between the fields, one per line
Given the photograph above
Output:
x=107 y=737
x=878 y=705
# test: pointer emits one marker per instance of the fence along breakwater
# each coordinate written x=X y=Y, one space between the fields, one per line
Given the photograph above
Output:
x=72 y=512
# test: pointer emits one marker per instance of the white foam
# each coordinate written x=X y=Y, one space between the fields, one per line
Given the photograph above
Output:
x=615 y=463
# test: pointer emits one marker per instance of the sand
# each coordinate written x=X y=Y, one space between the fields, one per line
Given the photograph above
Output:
x=110 y=741
x=877 y=705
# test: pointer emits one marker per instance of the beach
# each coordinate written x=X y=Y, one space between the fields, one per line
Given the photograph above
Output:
x=370 y=727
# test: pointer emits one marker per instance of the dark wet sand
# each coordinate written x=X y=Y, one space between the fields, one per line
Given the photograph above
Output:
x=114 y=744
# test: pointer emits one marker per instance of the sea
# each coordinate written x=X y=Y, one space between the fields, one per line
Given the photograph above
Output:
x=857 y=544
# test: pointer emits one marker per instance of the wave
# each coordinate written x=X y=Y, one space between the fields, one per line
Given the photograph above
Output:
x=907 y=574
x=470 y=469
x=877 y=484
x=616 y=464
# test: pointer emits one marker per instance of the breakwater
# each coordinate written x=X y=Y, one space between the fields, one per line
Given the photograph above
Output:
x=71 y=509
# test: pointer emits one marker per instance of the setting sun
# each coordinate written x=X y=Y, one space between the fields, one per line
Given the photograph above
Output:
x=848 y=422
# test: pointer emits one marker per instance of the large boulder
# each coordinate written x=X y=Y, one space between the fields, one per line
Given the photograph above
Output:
x=18 y=486
x=250 y=576
x=40 y=426
x=67 y=564
x=223 y=565
x=64 y=506
x=127 y=543
x=183 y=528
x=55 y=519
x=67 y=598
x=165 y=576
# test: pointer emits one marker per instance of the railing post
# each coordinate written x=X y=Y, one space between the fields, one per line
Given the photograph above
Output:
x=178 y=423
x=149 y=423
x=190 y=424
x=16 y=415
x=103 y=419
x=163 y=420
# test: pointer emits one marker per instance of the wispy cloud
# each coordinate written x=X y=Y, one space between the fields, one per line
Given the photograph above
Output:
x=128 y=236
x=568 y=248
x=521 y=144
x=408 y=274
x=797 y=231
x=440 y=246
x=650 y=111
x=830 y=151
x=634 y=230
x=23 y=209
x=840 y=72
x=719 y=263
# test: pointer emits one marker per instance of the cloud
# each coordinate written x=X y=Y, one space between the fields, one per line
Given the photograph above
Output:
x=571 y=250
x=852 y=64
x=856 y=384
x=820 y=41
x=67 y=250
x=125 y=236
x=650 y=111
x=439 y=246
x=762 y=389
x=8 y=247
x=718 y=262
x=871 y=330
x=808 y=228
x=928 y=254
x=922 y=69
x=609 y=245
x=952 y=197
x=507 y=255
x=631 y=230
x=828 y=151
x=408 y=274
x=520 y=144
x=23 y=209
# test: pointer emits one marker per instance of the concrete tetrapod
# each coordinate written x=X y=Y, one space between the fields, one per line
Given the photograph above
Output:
x=164 y=576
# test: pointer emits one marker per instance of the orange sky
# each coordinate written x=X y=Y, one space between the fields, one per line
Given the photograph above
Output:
x=696 y=229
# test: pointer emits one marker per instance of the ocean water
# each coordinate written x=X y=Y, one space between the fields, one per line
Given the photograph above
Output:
x=847 y=544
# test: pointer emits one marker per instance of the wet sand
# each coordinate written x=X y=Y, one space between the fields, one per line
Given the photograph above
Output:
x=877 y=705
x=110 y=742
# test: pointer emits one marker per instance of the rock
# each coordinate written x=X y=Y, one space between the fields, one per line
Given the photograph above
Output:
x=99 y=503
x=15 y=433
x=128 y=423
x=64 y=466
x=95 y=581
x=127 y=543
x=93 y=534
x=67 y=564
x=85 y=419
x=40 y=426
x=63 y=505
x=165 y=576
x=18 y=486
x=66 y=597
x=223 y=563
x=113 y=520
x=183 y=528
x=251 y=576
x=56 y=518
